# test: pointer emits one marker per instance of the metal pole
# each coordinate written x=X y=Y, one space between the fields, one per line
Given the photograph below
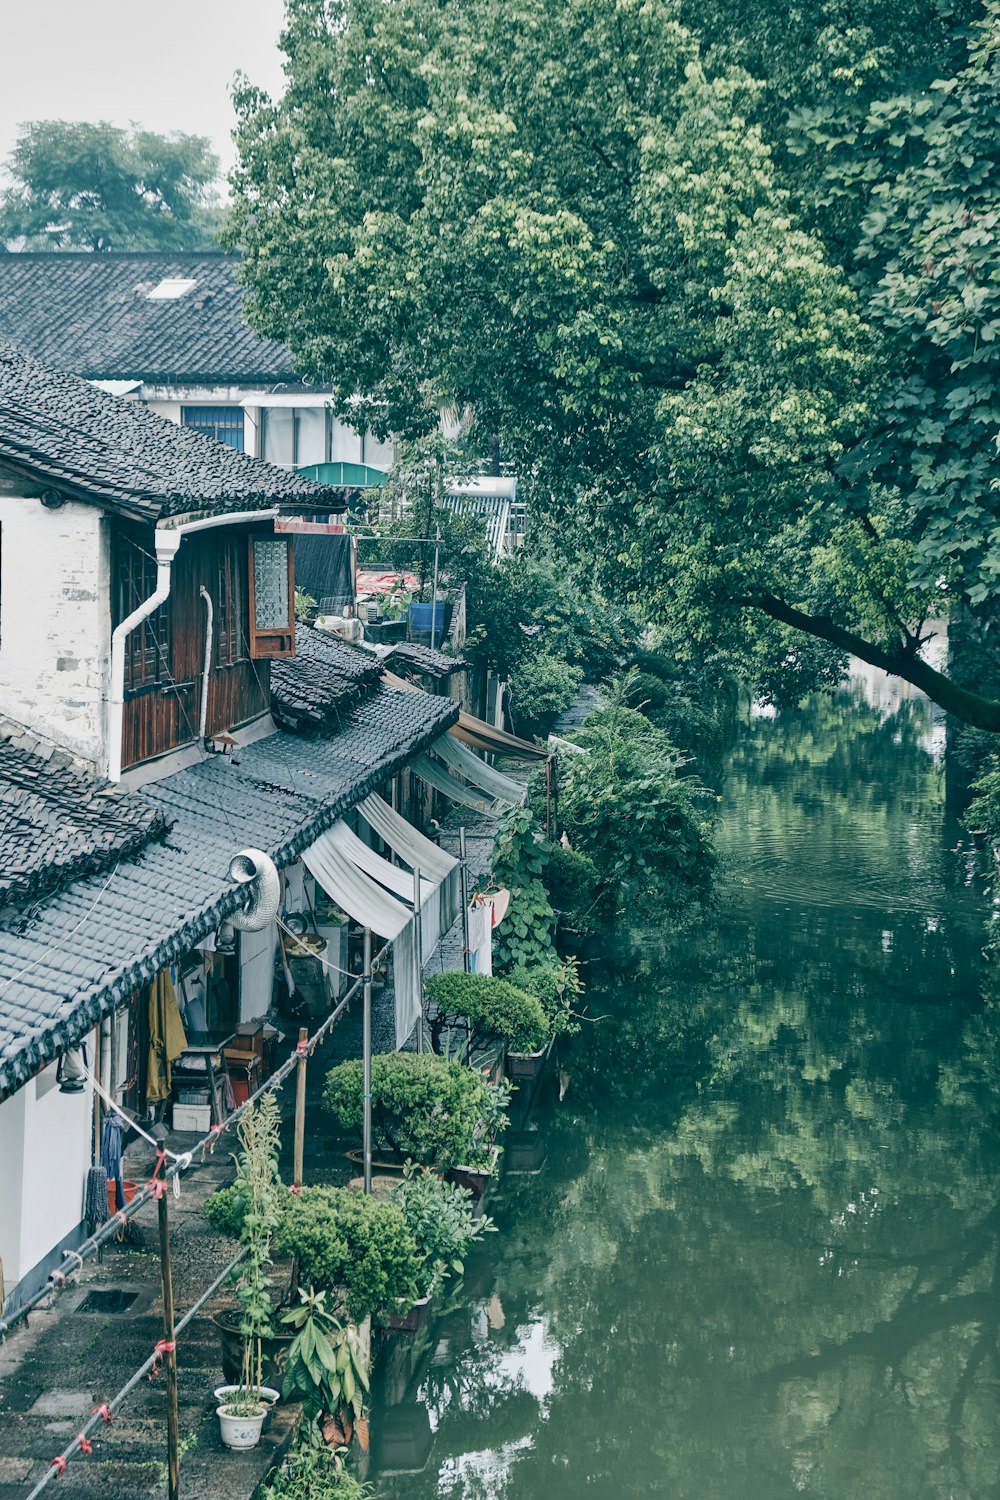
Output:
x=465 y=900
x=170 y=1353
x=418 y=956
x=366 y=1050
x=300 y=1107
x=434 y=591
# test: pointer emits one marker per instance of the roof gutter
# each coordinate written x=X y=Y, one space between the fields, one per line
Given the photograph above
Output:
x=168 y=537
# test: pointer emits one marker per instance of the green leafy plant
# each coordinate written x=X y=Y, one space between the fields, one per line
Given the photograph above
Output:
x=558 y=989
x=495 y=1010
x=525 y=936
x=541 y=686
x=423 y=1106
x=357 y=1248
x=326 y=1367
x=442 y=1219
x=313 y=1472
x=259 y=1191
x=573 y=883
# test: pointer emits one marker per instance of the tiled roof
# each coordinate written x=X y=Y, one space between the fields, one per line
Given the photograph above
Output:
x=73 y=958
x=58 y=429
x=413 y=657
x=92 y=315
x=57 y=821
x=316 y=687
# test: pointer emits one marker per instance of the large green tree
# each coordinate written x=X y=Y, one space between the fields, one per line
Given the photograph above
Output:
x=572 y=219
x=81 y=186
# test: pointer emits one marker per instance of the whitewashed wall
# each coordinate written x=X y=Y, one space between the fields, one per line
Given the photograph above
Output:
x=55 y=625
x=257 y=971
x=45 y=1141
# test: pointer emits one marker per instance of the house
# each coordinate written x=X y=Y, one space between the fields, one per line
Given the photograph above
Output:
x=163 y=720
x=168 y=330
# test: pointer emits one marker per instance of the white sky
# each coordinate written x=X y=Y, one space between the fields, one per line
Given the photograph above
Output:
x=168 y=65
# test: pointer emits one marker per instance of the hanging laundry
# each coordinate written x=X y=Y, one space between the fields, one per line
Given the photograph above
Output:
x=166 y=1037
x=111 y=1152
x=481 y=938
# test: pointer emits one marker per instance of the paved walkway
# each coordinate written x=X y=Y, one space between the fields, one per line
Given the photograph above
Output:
x=64 y=1361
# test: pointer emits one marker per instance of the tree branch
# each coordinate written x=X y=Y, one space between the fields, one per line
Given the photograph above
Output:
x=971 y=708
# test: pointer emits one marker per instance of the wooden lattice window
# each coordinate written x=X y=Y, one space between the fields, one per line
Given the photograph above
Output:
x=231 y=639
x=147 y=647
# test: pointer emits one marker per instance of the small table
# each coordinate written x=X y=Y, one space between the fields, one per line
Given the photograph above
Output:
x=207 y=1050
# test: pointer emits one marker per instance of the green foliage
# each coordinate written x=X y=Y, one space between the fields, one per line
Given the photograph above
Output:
x=80 y=186
x=258 y=1197
x=646 y=692
x=573 y=882
x=443 y=1220
x=557 y=987
x=314 y=1473
x=625 y=804
x=355 y=1247
x=525 y=936
x=326 y=1368
x=495 y=1009
x=542 y=685
x=423 y=1107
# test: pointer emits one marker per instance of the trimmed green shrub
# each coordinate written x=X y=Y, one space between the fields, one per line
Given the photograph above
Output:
x=541 y=686
x=495 y=1009
x=423 y=1107
x=646 y=693
x=557 y=988
x=355 y=1246
x=573 y=882
x=442 y=1219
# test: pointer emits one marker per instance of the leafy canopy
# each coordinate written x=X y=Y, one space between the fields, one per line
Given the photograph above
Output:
x=592 y=228
x=94 y=186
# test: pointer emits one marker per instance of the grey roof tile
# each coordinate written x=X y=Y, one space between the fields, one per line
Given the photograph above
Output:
x=59 y=429
x=92 y=315
x=410 y=655
x=75 y=956
x=313 y=689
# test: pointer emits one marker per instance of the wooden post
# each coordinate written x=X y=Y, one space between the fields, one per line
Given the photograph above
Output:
x=366 y=1052
x=419 y=958
x=465 y=900
x=548 y=798
x=300 y=1108
x=170 y=1354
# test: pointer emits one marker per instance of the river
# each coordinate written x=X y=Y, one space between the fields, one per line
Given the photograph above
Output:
x=761 y=1257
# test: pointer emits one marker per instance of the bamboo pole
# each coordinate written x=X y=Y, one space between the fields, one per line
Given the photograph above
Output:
x=169 y=1352
x=367 y=1061
x=300 y=1107
x=419 y=956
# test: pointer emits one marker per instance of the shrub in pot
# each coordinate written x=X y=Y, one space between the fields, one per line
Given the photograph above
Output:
x=557 y=988
x=356 y=1248
x=495 y=1010
x=442 y=1219
x=424 y=1107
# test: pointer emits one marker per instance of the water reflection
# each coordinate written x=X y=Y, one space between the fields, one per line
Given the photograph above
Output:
x=761 y=1257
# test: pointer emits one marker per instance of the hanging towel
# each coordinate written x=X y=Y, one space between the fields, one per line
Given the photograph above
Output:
x=481 y=938
x=111 y=1152
x=166 y=1037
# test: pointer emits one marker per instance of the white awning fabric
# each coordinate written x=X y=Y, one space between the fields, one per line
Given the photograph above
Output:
x=421 y=853
x=465 y=762
x=370 y=903
x=435 y=775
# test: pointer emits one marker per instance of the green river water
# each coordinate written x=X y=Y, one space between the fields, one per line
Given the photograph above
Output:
x=761 y=1257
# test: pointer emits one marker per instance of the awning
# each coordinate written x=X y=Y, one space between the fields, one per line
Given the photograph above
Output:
x=420 y=853
x=477 y=732
x=369 y=903
x=435 y=775
x=460 y=759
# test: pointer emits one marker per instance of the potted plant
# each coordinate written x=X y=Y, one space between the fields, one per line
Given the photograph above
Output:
x=443 y=1220
x=494 y=1011
x=424 y=1108
x=557 y=988
x=258 y=1191
x=327 y=1370
x=482 y=1163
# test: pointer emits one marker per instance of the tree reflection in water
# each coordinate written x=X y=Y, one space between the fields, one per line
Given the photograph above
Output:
x=762 y=1257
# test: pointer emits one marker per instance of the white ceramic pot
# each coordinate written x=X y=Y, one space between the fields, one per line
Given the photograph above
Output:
x=240 y=1432
x=268 y=1395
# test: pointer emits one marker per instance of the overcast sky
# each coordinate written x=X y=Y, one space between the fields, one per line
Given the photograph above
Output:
x=167 y=66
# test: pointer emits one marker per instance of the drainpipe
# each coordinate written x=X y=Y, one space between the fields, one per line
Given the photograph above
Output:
x=169 y=535
x=209 y=621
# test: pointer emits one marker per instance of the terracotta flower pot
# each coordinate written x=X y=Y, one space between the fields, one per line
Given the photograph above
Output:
x=130 y=1192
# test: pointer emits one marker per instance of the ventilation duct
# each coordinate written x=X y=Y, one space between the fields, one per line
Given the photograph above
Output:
x=258 y=872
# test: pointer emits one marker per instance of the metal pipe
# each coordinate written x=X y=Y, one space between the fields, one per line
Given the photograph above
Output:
x=206 y=670
x=418 y=948
x=434 y=588
x=465 y=900
x=366 y=1050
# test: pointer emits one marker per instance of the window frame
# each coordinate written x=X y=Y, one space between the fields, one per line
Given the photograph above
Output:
x=271 y=641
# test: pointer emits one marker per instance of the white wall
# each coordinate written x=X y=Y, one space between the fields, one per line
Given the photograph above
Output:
x=55 y=621
x=257 y=971
x=45 y=1139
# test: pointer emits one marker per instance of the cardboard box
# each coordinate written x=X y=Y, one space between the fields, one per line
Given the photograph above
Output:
x=193 y=1117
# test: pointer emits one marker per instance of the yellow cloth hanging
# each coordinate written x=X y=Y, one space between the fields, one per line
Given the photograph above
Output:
x=166 y=1037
